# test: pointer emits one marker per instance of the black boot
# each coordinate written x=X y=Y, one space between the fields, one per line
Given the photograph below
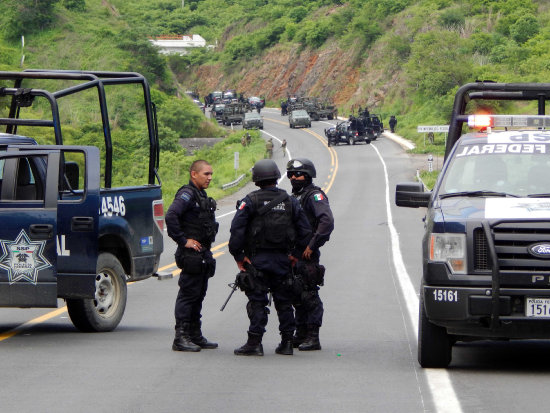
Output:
x=182 y=341
x=312 y=340
x=300 y=335
x=285 y=346
x=253 y=346
x=199 y=339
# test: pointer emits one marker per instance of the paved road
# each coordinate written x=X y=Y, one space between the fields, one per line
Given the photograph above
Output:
x=368 y=362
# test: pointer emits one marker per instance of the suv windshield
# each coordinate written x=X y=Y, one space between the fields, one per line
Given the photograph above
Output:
x=521 y=174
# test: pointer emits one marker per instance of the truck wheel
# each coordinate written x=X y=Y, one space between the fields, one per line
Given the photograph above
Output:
x=434 y=344
x=104 y=312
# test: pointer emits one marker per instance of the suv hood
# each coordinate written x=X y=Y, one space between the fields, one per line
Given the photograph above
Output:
x=495 y=208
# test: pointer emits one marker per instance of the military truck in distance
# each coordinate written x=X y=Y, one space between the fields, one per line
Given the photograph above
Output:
x=65 y=233
x=486 y=246
x=233 y=113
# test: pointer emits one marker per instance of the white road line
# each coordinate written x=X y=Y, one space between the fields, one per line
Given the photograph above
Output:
x=441 y=388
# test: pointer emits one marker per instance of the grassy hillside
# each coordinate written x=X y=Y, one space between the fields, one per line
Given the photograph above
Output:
x=402 y=57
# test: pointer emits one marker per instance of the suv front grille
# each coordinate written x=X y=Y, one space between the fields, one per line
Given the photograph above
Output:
x=511 y=242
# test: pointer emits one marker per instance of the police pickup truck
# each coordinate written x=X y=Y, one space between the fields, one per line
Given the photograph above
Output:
x=486 y=247
x=66 y=232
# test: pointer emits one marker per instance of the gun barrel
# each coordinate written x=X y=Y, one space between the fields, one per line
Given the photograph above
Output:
x=233 y=288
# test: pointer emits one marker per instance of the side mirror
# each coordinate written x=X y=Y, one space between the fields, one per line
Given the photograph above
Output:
x=72 y=173
x=411 y=194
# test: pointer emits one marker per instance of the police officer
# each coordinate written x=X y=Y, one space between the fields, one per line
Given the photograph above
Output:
x=267 y=227
x=393 y=123
x=191 y=222
x=309 y=308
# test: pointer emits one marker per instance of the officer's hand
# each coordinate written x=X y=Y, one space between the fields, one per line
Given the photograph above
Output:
x=240 y=264
x=306 y=255
x=293 y=260
x=191 y=243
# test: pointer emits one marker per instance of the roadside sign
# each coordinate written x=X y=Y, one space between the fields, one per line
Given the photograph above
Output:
x=236 y=160
x=433 y=128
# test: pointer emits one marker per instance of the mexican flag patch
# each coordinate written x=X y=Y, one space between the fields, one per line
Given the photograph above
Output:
x=242 y=205
x=318 y=197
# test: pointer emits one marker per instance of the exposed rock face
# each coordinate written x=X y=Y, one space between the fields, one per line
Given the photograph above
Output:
x=283 y=71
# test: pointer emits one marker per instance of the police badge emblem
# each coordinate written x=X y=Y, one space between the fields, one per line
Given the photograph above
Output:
x=23 y=258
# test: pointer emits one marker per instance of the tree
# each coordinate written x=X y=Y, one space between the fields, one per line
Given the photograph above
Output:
x=29 y=16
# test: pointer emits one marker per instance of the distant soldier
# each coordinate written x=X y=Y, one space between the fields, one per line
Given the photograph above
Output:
x=243 y=140
x=248 y=138
x=393 y=122
x=283 y=147
x=269 y=148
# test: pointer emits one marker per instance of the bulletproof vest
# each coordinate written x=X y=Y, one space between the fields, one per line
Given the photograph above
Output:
x=205 y=228
x=271 y=226
x=303 y=197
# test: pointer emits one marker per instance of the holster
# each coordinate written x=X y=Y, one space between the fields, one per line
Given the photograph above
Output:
x=312 y=274
x=195 y=262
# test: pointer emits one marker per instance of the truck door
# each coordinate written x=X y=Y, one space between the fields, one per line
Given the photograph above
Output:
x=28 y=212
x=78 y=222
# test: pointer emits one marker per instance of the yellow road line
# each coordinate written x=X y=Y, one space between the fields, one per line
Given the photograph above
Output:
x=28 y=324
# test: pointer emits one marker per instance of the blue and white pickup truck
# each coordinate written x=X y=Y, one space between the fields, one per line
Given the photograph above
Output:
x=486 y=246
x=66 y=232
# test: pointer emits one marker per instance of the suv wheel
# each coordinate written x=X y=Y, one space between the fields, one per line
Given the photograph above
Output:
x=434 y=343
x=105 y=310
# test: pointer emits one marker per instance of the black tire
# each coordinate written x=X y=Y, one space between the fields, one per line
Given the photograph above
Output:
x=104 y=312
x=348 y=142
x=434 y=343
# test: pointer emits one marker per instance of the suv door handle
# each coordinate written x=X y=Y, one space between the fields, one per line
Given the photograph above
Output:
x=41 y=231
x=82 y=224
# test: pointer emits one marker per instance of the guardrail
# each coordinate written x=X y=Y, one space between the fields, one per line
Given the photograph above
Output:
x=233 y=183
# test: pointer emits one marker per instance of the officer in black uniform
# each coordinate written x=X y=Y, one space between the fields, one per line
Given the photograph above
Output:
x=393 y=123
x=191 y=222
x=266 y=231
x=309 y=307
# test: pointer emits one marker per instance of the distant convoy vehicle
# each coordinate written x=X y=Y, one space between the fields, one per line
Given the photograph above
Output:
x=486 y=246
x=299 y=118
x=216 y=110
x=233 y=113
x=345 y=132
x=66 y=231
x=253 y=120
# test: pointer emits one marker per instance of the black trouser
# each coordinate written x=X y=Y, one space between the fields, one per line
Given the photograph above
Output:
x=191 y=295
x=276 y=269
x=309 y=309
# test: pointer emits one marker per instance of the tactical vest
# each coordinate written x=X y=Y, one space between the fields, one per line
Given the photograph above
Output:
x=303 y=197
x=205 y=228
x=271 y=227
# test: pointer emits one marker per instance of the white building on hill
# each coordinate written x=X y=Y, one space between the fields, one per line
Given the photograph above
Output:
x=178 y=44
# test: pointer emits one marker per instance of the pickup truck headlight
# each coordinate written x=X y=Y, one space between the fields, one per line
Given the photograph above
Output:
x=449 y=248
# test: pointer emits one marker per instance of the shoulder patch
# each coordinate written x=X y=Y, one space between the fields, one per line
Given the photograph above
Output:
x=242 y=205
x=186 y=196
x=318 y=197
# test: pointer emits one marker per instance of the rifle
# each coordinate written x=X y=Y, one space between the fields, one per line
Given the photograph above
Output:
x=233 y=287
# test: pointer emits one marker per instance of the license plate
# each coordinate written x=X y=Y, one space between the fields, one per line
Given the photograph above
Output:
x=537 y=307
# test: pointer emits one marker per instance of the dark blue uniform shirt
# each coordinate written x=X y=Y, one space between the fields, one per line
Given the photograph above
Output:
x=184 y=208
x=317 y=208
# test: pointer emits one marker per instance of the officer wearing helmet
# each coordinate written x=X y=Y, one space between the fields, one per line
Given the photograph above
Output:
x=308 y=306
x=267 y=231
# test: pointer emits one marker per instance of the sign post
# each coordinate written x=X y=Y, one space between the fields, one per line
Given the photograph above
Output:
x=236 y=162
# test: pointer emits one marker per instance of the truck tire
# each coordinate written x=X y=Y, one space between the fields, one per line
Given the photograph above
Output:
x=434 y=343
x=104 y=312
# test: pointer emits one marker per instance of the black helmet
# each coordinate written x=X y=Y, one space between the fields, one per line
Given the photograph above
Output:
x=303 y=165
x=265 y=169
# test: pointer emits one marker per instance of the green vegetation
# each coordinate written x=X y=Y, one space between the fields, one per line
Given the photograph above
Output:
x=411 y=56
